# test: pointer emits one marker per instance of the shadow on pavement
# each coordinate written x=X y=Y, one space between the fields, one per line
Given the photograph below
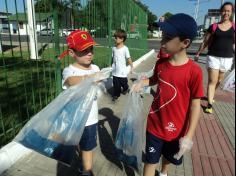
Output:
x=106 y=139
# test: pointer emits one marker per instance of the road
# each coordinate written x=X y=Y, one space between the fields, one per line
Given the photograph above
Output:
x=155 y=44
x=152 y=43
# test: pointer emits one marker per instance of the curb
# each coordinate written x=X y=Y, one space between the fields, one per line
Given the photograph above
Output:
x=141 y=59
x=11 y=153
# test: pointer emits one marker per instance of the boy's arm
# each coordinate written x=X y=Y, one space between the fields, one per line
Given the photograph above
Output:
x=186 y=142
x=73 y=80
x=131 y=64
x=195 y=108
x=204 y=44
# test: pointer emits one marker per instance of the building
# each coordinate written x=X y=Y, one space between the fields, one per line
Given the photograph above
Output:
x=19 y=22
x=213 y=16
x=4 y=21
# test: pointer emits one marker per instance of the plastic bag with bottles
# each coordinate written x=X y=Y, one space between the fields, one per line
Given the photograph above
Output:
x=56 y=130
x=130 y=136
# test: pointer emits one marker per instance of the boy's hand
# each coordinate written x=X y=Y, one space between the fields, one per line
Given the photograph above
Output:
x=137 y=87
x=185 y=144
x=103 y=74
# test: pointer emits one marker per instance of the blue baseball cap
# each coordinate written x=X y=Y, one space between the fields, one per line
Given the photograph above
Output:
x=179 y=25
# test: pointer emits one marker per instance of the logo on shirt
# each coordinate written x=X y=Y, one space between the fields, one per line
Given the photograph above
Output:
x=151 y=150
x=170 y=127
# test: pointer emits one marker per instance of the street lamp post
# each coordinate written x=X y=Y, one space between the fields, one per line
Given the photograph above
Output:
x=222 y=2
x=198 y=2
x=197 y=10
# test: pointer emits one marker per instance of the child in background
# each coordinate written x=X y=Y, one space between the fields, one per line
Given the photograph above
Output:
x=120 y=55
x=80 y=45
x=175 y=111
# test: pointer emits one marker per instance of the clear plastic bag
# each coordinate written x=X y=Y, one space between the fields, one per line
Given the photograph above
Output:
x=143 y=75
x=130 y=136
x=56 y=130
x=229 y=82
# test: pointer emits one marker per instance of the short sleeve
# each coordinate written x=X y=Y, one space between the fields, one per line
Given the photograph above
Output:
x=196 y=83
x=127 y=54
x=112 y=54
x=96 y=68
x=67 y=72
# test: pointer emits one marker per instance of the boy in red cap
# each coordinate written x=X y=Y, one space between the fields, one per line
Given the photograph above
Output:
x=175 y=111
x=80 y=45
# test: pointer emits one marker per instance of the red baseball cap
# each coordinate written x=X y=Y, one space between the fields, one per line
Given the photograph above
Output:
x=78 y=40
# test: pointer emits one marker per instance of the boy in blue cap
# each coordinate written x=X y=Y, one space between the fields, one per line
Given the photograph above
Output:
x=175 y=111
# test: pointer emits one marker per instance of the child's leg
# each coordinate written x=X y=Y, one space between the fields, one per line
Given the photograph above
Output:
x=153 y=153
x=116 y=87
x=87 y=143
x=170 y=148
x=149 y=169
x=87 y=160
x=165 y=165
x=124 y=84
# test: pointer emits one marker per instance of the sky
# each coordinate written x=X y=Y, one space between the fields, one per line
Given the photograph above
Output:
x=160 y=7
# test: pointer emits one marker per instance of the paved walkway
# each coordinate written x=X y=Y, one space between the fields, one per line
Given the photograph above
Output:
x=212 y=154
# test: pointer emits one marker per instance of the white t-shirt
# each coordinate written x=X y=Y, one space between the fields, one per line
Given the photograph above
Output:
x=119 y=57
x=74 y=71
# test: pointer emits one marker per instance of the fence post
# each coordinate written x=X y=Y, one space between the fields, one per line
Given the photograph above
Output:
x=110 y=17
x=32 y=30
x=57 y=46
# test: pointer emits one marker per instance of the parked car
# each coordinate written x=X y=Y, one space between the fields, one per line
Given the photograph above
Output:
x=46 y=32
x=66 y=32
x=157 y=34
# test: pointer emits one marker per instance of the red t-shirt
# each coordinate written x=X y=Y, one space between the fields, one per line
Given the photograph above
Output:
x=168 y=118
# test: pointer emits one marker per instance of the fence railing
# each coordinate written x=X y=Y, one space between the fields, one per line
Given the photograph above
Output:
x=26 y=84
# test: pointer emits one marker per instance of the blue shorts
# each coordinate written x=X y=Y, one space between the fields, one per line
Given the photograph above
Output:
x=155 y=147
x=88 y=140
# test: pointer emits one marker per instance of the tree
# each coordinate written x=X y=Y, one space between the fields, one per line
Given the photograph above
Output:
x=167 y=15
x=43 y=6
x=151 y=17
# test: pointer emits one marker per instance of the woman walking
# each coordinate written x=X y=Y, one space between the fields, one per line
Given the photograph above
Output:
x=221 y=46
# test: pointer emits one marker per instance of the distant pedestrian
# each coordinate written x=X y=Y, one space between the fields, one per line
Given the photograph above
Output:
x=120 y=57
x=80 y=45
x=221 y=47
x=175 y=111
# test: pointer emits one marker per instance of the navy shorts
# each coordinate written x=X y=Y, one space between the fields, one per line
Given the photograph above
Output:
x=155 y=147
x=88 y=140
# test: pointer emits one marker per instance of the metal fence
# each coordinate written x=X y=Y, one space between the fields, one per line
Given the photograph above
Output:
x=29 y=81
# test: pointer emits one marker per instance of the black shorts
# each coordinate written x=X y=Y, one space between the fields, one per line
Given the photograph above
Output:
x=88 y=140
x=155 y=147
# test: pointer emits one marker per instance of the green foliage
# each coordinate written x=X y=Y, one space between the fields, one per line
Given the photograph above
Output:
x=151 y=17
x=167 y=15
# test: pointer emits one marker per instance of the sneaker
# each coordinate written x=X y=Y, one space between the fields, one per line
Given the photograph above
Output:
x=114 y=98
x=156 y=173
x=125 y=92
x=196 y=59
x=86 y=173
x=209 y=110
